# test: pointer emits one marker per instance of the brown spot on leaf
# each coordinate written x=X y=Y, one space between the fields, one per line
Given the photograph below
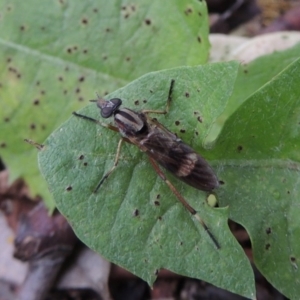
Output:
x=137 y=102
x=2 y=145
x=36 y=102
x=199 y=39
x=177 y=123
x=81 y=157
x=148 y=22
x=187 y=94
x=136 y=213
x=200 y=119
x=84 y=21
x=157 y=203
x=11 y=69
x=69 y=188
x=188 y=11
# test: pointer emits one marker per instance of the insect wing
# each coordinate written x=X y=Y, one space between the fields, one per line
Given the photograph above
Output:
x=180 y=159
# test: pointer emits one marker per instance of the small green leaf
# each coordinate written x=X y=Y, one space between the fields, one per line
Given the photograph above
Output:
x=134 y=220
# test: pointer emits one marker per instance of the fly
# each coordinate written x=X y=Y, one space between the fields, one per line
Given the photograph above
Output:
x=163 y=148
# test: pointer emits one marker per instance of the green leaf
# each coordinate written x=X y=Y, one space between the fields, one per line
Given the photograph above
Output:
x=259 y=155
x=250 y=79
x=134 y=220
x=56 y=55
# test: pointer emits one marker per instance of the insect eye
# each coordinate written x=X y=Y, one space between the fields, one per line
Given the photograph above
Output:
x=109 y=107
x=106 y=112
x=116 y=101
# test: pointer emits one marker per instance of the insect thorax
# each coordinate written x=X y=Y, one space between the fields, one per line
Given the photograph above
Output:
x=130 y=123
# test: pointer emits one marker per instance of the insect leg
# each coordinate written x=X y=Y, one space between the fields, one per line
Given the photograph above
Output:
x=183 y=201
x=124 y=139
x=96 y=121
x=33 y=143
x=113 y=167
x=167 y=105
